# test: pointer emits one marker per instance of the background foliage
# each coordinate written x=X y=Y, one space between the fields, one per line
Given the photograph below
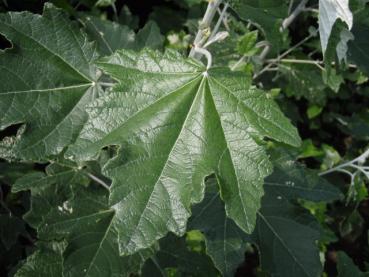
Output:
x=73 y=73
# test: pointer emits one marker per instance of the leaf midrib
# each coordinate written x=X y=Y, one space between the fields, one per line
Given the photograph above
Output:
x=48 y=50
x=231 y=158
x=169 y=155
x=47 y=89
x=100 y=244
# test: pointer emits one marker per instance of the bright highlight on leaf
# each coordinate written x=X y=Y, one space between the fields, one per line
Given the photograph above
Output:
x=329 y=12
x=175 y=126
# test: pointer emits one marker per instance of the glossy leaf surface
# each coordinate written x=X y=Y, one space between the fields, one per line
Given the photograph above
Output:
x=176 y=124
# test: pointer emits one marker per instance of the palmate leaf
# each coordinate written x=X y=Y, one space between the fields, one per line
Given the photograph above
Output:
x=47 y=77
x=358 y=53
x=285 y=234
x=175 y=125
x=63 y=209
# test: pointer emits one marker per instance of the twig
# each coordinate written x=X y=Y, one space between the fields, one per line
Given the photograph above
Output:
x=311 y=10
x=224 y=19
x=316 y=63
x=355 y=163
x=264 y=44
x=107 y=84
x=358 y=165
x=219 y=22
x=98 y=180
x=207 y=54
x=115 y=11
x=283 y=55
x=287 y=21
x=285 y=24
x=240 y=61
x=265 y=52
x=290 y=6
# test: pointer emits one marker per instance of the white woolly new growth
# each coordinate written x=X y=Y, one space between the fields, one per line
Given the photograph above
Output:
x=206 y=53
x=352 y=168
x=218 y=37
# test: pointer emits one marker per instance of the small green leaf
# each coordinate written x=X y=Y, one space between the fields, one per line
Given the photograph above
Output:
x=285 y=234
x=309 y=150
x=246 y=44
x=313 y=111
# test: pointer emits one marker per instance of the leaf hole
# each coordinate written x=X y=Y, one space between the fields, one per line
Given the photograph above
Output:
x=4 y=43
x=248 y=268
x=10 y=131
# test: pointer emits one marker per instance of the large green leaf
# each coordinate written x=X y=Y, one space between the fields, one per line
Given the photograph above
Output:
x=175 y=124
x=47 y=78
x=292 y=180
x=285 y=234
x=301 y=80
x=80 y=216
x=225 y=241
x=358 y=53
x=286 y=237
